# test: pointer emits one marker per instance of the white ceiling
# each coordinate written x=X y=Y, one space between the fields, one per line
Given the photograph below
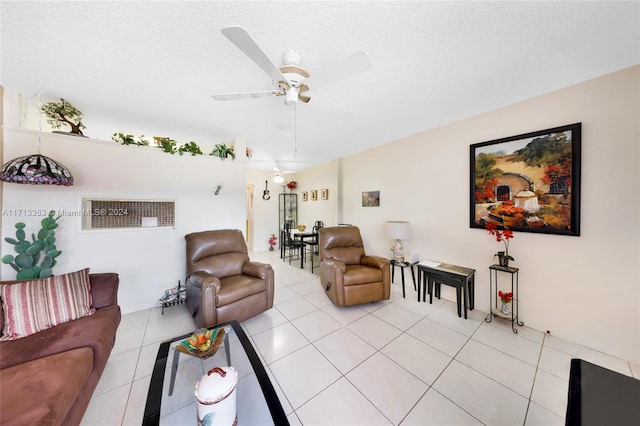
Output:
x=150 y=67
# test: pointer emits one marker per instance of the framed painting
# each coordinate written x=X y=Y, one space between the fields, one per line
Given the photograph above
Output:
x=371 y=199
x=528 y=182
x=314 y=195
x=305 y=196
x=324 y=194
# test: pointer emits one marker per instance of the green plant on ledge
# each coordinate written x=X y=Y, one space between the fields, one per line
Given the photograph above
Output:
x=129 y=139
x=59 y=113
x=221 y=150
x=36 y=258
x=190 y=147
x=167 y=145
x=170 y=146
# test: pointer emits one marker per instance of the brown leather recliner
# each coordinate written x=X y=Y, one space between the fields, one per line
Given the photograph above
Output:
x=349 y=276
x=222 y=283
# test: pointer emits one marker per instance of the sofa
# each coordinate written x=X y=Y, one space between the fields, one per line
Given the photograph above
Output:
x=48 y=378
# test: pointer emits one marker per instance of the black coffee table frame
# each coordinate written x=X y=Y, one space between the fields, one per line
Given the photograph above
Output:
x=154 y=398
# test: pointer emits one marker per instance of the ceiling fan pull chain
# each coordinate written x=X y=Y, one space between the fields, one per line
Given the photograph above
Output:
x=295 y=132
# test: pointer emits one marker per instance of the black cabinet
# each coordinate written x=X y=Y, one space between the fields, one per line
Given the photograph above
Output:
x=288 y=210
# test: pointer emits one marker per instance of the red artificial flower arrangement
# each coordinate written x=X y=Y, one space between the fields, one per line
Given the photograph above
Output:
x=503 y=236
x=273 y=240
x=505 y=297
x=292 y=185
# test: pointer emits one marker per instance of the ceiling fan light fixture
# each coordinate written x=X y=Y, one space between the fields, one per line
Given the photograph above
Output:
x=36 y=169
x=278 y=178
x=292 y=57
x=291 y=96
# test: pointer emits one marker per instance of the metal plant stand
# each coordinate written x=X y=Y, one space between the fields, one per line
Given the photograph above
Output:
x=178 y=300
x=493 y=296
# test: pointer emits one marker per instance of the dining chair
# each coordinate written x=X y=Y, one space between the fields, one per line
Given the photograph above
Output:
x=293 y=246
x=313 y=243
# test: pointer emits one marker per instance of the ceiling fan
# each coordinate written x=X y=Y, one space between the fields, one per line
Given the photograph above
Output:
x=291 y=81
x=278 y=175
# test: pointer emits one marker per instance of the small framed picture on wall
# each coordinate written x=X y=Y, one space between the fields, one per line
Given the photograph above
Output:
x=305 y=196
x=314 y=195
x=324 y=194
x=371 y=199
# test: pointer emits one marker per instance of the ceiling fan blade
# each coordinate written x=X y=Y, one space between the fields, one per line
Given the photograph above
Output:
x=247 y=95
x=330 y=108
x=348 y=67
x=244 y=42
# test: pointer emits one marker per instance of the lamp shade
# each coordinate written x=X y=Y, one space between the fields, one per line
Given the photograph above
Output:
x=36 y=169
x=398 y=230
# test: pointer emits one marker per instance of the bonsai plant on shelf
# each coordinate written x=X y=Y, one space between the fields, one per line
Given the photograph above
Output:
x=61 y=113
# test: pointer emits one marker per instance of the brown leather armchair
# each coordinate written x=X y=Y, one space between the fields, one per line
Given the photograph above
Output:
x=222 y=283
x=349 y=276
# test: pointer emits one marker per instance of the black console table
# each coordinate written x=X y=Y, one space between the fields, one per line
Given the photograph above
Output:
x=400 y=264
x=432 y=274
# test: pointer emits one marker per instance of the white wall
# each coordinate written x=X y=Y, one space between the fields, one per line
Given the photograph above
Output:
x=585 y=289
x=265 y=212
x=324 y=176
x=148 y=260
x=264 y=218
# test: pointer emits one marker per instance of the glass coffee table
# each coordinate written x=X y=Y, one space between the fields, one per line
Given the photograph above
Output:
x=171 y=399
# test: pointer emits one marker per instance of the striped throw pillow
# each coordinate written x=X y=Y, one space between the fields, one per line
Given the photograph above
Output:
x=33 y=306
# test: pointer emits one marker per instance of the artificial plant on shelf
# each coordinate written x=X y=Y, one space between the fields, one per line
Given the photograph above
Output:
x=273 y=241
x=128 y=139
x=223 y=151
x=167 y=145
x=292 y=185
x=505 y=298
x=191 y=148
x=501 y=236
x=63 y=113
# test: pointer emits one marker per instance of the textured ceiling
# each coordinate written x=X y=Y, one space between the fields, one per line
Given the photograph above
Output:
x=150 y=67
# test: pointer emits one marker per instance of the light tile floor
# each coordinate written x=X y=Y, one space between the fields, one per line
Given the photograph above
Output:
x=395 y=362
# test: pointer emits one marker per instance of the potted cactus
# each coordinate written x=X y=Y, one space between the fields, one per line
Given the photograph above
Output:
x=35 y=258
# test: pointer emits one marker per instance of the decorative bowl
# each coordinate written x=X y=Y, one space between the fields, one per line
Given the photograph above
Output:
x=203 y=343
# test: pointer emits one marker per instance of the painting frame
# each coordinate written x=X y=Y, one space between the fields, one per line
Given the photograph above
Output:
x=371 y=199
x=305 y=195
x=324 y=194
x=314 y=195
x=528 y=182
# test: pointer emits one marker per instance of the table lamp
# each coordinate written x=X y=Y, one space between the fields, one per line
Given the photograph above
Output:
x=398 y=230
